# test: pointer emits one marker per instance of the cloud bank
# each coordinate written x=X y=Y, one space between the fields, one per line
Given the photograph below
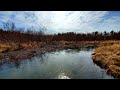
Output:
x=64 y=21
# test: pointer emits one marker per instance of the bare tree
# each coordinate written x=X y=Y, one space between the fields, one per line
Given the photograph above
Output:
x=9 y=26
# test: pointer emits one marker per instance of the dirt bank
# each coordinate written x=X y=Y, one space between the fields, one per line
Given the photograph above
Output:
x=25 y=51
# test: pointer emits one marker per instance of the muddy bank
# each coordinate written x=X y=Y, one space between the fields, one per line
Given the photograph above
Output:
x=108 y=57
x=16 y=56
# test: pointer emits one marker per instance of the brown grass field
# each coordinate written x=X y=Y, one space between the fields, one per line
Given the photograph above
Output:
x=107 y=55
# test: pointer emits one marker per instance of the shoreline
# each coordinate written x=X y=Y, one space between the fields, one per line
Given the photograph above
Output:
x=30 y=50
x=26 y=53
x=108 y=58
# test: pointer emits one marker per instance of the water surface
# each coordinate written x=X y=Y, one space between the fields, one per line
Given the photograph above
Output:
x=68 y=64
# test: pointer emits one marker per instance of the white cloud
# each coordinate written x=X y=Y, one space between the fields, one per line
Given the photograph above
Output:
x=63 y=21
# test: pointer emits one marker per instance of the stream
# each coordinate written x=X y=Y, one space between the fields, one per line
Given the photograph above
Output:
x=65 y=64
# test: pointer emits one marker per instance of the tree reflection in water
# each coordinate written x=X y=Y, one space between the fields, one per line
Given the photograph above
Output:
x=89 y=48
x=17 y=64
x=65 y=64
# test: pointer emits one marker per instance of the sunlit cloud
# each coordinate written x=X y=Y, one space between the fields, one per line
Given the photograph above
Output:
x=64 y=21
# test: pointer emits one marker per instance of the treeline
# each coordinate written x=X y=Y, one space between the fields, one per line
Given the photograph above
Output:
x=71 y=36
x=10 y=32
x=18 y=36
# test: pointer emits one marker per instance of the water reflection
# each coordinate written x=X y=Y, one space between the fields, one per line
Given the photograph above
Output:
x=42 y=58
x=89 y=48
x=63 y=76
x=65 y=64
x=17 y=64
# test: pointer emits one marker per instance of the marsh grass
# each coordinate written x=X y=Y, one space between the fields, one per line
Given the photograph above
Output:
x=108 y=55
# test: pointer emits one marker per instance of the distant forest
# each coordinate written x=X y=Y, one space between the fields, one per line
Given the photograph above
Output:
x=9 y=33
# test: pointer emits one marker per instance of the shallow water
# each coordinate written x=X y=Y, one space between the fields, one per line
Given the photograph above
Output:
x=65 y=64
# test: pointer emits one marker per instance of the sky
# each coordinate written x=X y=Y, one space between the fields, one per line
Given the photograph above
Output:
x=64 y=21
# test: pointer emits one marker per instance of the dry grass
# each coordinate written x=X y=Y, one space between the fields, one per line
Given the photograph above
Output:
x=15 y=49
x=10 y=46
x=29 y=45
x=4 y=47
x=108 y=56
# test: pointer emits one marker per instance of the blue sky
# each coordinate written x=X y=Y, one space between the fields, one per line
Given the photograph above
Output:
x=64 y=21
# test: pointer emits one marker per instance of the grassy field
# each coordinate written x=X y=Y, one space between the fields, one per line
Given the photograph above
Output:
x=107 y=55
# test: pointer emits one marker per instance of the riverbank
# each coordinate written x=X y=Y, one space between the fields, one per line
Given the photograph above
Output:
x=108 y=56
x=15 y=52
